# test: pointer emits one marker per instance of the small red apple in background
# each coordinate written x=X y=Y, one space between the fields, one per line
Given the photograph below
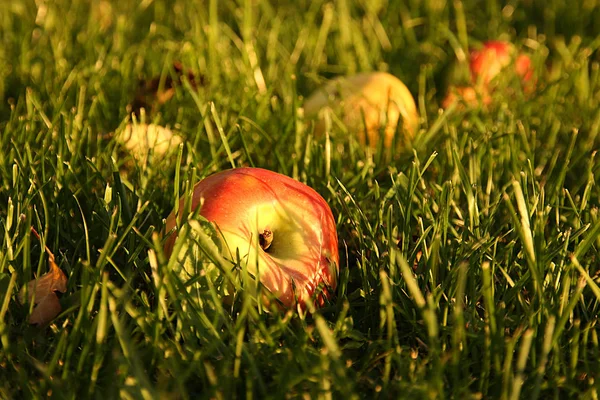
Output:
x=283 y=231
x=381 y=97
x=485 y=64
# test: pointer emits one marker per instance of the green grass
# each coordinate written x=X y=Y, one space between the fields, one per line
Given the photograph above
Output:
x=469 y=266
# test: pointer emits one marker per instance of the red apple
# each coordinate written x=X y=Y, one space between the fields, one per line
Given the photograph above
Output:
x=282 y=230
x=381 y=97
x=485 y=64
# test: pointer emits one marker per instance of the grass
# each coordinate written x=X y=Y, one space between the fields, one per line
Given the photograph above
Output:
x=469 y=265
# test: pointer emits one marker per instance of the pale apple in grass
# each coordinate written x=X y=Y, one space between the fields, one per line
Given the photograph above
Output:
x=279 y=230
x=366 y=103
x=494 y=59
x=140 y=138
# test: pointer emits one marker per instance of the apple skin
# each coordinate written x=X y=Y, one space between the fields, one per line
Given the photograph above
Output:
x=244 y=203
x=485 y=64
x=373 y=94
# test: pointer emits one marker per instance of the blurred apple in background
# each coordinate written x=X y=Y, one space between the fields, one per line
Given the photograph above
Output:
x=281 y=230
x=140 y=138
x=493 y=60
x=381 y=97
x=468 y=95
x=486 y=63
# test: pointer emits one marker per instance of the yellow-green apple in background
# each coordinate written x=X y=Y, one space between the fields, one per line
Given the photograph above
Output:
x=380 y=97
x=279 y=230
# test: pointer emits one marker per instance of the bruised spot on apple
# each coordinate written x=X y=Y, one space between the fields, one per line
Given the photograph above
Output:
x=279 y=229
x=485 y=65
x=380 y=97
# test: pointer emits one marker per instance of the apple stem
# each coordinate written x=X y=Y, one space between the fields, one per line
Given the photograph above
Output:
x=265 y=239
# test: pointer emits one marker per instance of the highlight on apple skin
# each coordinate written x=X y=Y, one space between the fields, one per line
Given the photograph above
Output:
x=380 y=96
x=282 y=231
x=486 y=64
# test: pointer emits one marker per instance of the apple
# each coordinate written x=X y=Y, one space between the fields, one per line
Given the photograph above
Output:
x=381 y=97
x=485 y=64
x=278 y=229
x=468 y=95
x=139 y=138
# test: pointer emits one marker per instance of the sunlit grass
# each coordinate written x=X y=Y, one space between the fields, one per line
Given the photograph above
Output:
x=469 y=262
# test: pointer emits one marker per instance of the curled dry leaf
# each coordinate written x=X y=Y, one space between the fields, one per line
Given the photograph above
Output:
x=152 y=93
x=418 y=257
x=43 y=291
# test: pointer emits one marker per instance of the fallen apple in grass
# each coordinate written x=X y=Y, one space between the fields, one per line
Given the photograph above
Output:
x=468 y=95
x=366 y=102
x=140 y=138
x=493 y=59
x=486 y=63
x=278 y=229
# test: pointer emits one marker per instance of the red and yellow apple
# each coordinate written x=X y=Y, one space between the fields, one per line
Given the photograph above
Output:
x=380 y=97
x=278 y=229
x=485 y=65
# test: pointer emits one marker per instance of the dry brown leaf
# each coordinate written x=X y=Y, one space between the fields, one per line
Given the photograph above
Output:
x=43 y=291
x=417 y=259
x=46 y=310
x=150 y=95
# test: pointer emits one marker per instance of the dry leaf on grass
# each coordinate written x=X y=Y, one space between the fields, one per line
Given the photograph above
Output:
x=43 y=291
x=153 y=93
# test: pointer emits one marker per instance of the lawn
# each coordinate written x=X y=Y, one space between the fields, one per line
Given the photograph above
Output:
x=469 y=258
